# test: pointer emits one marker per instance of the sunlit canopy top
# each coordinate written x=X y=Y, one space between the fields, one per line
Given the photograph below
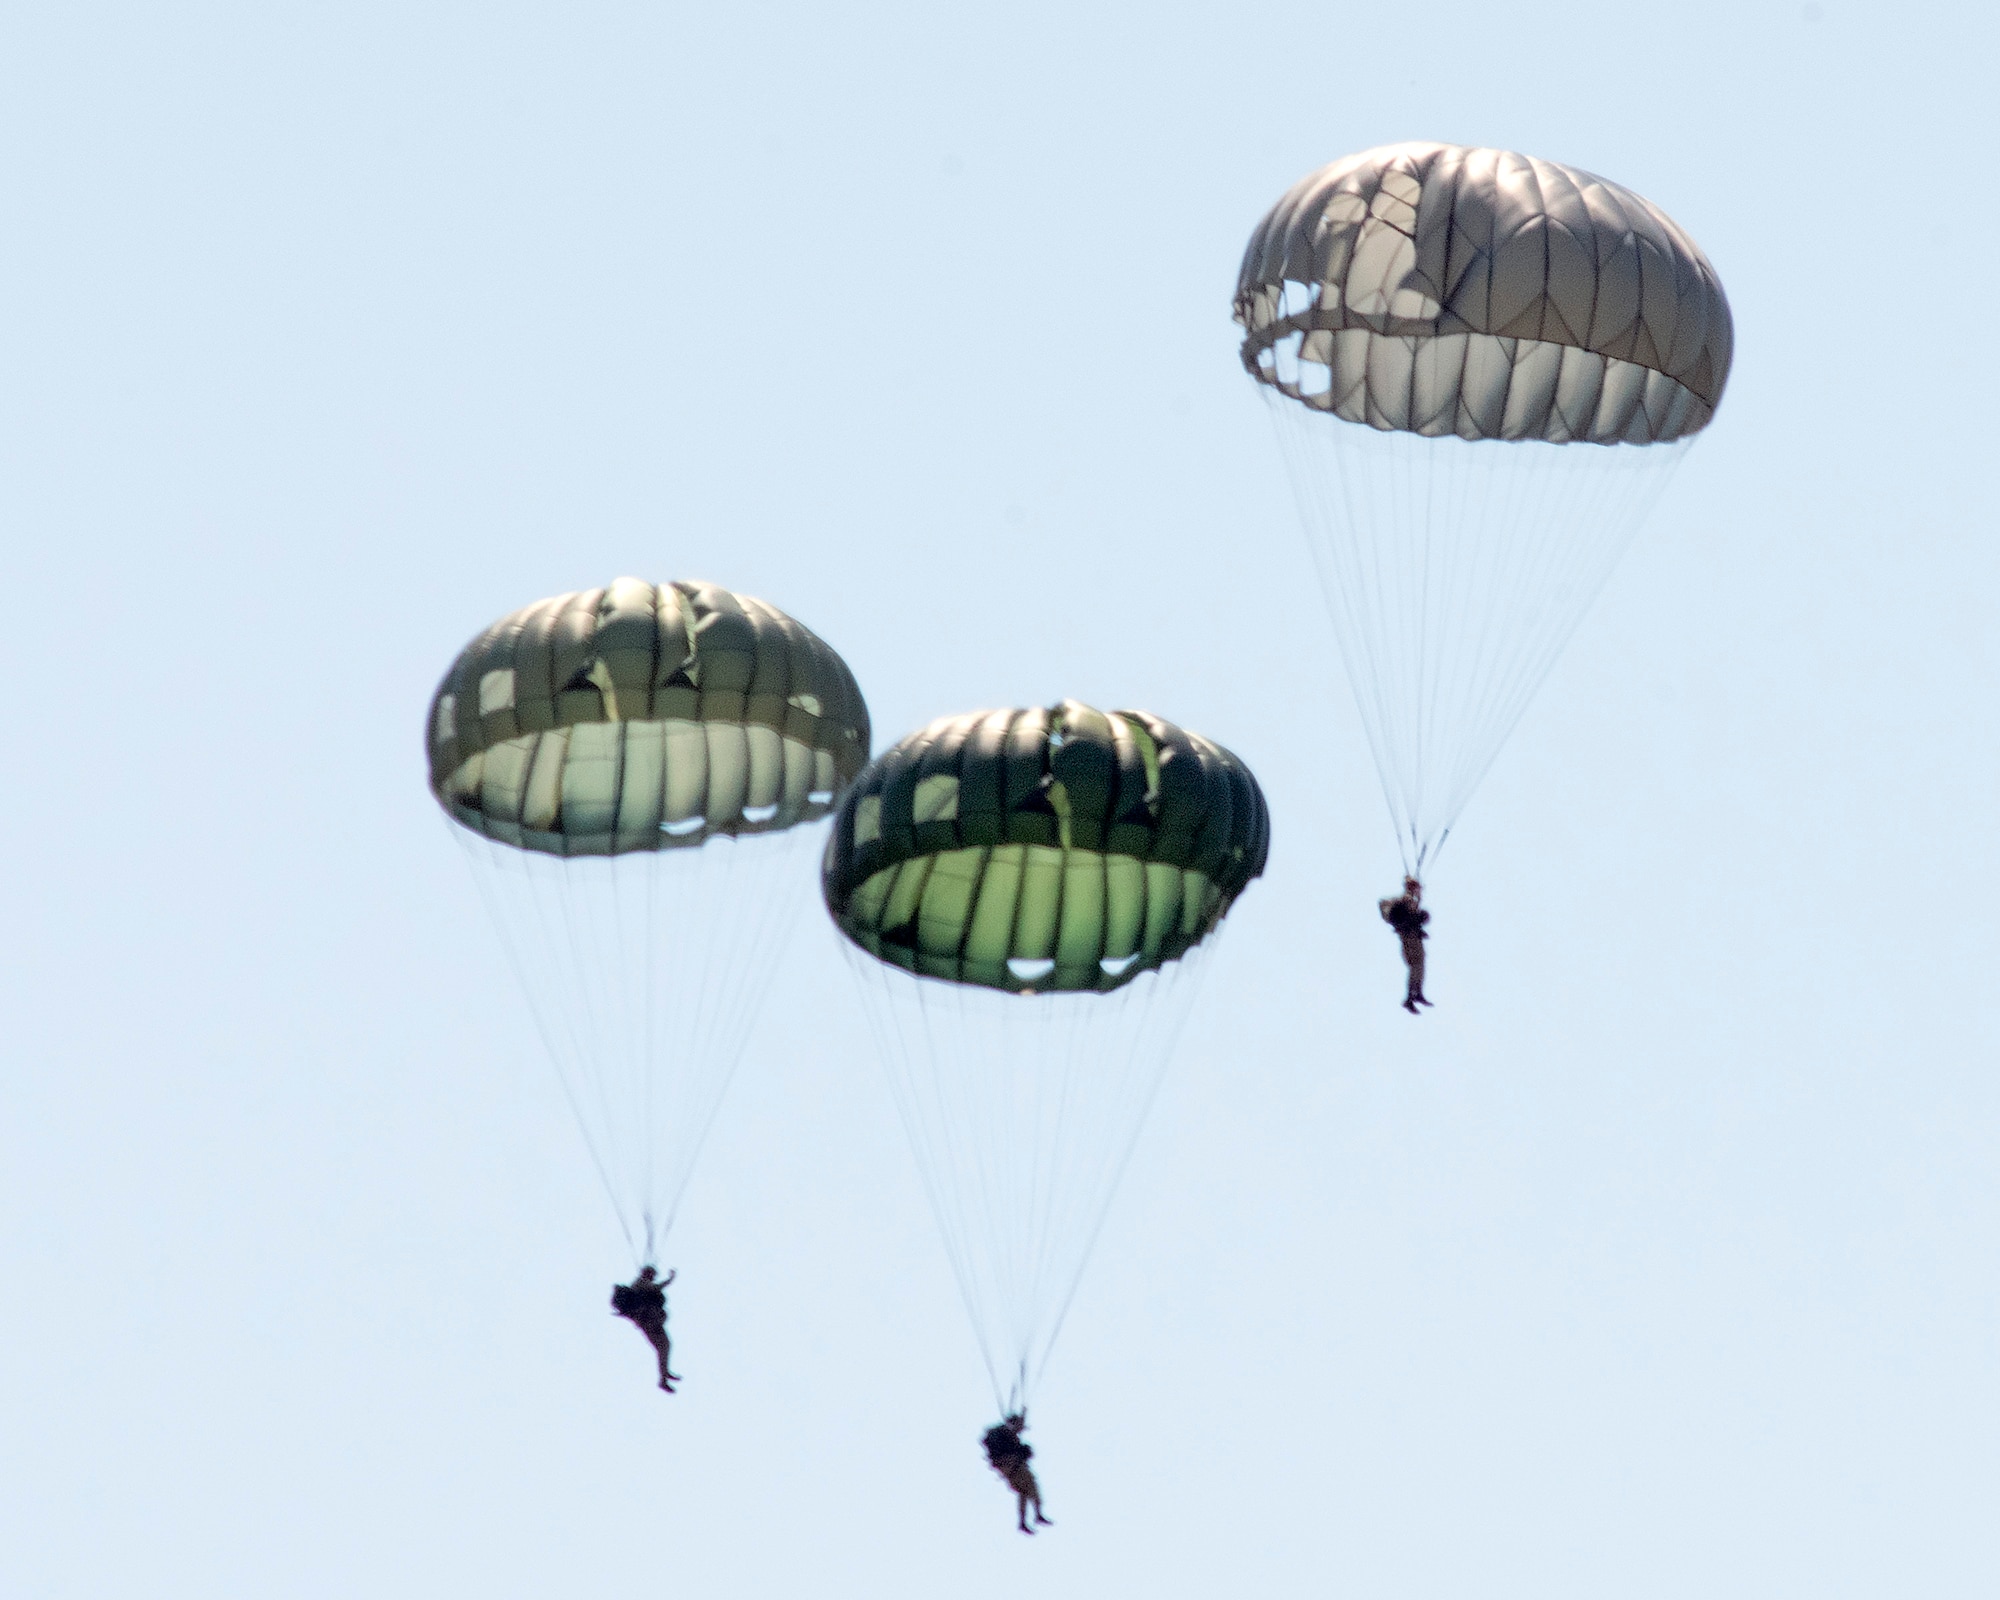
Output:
x=1436 y=289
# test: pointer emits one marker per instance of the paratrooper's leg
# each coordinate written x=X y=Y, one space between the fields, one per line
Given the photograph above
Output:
x=1413 y=955
x=656 y=1336
x=1029 y=1492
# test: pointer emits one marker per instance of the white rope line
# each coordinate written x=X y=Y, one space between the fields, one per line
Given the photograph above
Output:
x=1454 y=573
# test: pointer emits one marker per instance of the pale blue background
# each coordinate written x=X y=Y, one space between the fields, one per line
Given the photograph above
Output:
x=1660 y=1260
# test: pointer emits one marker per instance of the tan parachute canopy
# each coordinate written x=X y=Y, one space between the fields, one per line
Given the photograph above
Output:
x=1435 y=289
x=1049 y=850
x=640 y=717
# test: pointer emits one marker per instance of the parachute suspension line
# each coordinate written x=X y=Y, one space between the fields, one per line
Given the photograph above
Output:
x=643 y=972
x=599 y=1003
x=1067 y=1147
x=1454 y=573
x=710 y=1019
x=1444 y=503
x=1354 y=588
x=534 y=891
x=740 y=953
x=1620 y=494
x=553 y=884
x=1022 y=1113
x=649 y=1004
x=902 y=1030
x=645 y=1087
x=1179 y=983
x=491 y=868
x=608 y=968
x=1573 y=549
x=1468 y=650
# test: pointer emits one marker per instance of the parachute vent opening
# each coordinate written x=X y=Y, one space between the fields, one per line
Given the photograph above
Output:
x=1030 y=969
x=760 y=813
x=1117 y=966
x=819 y=797
x=684 y=827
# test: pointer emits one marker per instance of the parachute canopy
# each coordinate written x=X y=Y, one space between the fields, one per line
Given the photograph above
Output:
x=633 y=770
x=1435 y=289
x=1479 y=314
x=643 y=716
x=1061 y=870
x=1049 y=850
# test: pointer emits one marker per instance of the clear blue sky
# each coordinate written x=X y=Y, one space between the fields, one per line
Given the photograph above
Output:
x=1659 y=1260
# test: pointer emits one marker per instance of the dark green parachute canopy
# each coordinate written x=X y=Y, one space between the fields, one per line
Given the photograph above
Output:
x=643 y=717
x=1046 y=850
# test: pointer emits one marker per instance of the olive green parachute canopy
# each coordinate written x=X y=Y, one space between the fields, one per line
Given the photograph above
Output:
x=642 y=717
x=586 y=745
x=1435 y=289
x=1062 y=854
x=1051 y=850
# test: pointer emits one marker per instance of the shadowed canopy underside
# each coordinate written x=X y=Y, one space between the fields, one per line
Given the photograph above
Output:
x=1045 y=850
